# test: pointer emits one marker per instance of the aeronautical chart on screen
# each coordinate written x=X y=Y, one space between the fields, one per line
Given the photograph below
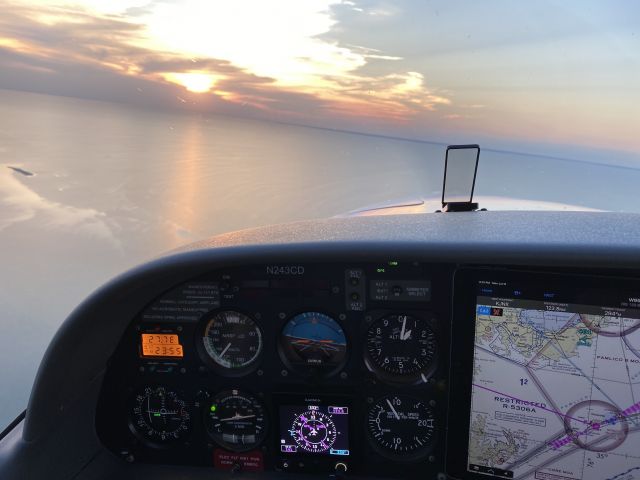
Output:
x=556 y=394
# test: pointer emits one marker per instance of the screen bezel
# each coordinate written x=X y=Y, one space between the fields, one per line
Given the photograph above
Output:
x=463 y=339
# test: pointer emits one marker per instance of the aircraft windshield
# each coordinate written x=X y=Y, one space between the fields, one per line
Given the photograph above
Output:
x=131 y=127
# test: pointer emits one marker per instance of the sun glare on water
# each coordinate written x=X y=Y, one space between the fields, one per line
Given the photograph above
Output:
x=194 y=82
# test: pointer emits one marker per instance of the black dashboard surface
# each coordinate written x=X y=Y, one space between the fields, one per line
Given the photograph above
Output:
x=95 y=352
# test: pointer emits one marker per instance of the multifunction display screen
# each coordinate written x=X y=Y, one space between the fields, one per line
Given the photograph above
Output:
x=314 y=429
x=556 y=383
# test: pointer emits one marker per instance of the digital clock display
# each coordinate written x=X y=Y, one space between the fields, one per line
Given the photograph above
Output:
x=161 y=345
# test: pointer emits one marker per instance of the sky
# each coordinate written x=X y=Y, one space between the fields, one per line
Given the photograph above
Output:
x=543 y=72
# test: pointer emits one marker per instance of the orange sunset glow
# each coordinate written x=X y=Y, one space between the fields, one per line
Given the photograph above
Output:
x=377 y=66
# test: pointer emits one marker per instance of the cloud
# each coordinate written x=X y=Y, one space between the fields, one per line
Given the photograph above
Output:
x=392 y=67
x=95 y=57
x=76 y=51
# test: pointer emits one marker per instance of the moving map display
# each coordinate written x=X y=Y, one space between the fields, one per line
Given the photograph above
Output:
x=556 y=386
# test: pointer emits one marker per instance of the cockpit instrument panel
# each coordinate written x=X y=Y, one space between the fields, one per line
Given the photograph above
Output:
x=390 y=370
x=314 y=367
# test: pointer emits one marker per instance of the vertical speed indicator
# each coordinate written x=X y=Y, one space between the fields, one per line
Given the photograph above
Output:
x=401 y=427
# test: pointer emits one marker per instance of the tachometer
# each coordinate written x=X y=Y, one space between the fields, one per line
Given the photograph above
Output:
x=401 y=427
x=401 y=348
x=313 y=342
x=160 y=415
x=232 y=342
x=235 y=420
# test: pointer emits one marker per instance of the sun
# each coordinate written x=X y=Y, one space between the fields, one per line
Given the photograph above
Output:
x=196 y=82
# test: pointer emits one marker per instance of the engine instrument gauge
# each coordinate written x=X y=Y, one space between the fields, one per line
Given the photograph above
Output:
x=160 y=415
x=313 y=342
x=401 y=427
x=401 y=349
x=231 y=343
x=235 y=420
